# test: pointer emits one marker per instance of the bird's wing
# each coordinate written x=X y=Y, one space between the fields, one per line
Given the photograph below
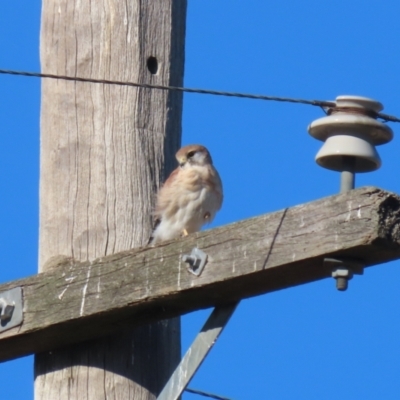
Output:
x=215 y=183
x=166 y=194
x=164 y=198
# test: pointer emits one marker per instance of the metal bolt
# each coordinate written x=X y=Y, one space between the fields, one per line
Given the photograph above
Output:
x=196 y=259
x=192 y=260
x=342 y=276
x=6 y=310
x=11 y=308
x=347 y=177
x=343 y=269
x=342 y=284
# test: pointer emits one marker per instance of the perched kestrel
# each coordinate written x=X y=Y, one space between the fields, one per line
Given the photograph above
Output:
x=190 y=197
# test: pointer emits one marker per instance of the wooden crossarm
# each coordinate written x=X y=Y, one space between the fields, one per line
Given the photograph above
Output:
x=76 y=302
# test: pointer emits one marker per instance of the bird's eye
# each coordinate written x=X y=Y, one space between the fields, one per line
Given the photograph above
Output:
x=190 y=154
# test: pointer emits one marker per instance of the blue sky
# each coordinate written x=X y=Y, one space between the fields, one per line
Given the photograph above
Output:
x=307 y=342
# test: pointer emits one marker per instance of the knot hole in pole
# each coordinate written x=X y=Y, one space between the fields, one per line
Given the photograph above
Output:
x=152 y=65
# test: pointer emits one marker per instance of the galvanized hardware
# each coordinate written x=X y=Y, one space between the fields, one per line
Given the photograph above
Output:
x=342 y=276
x=11 y=308
x=197 y=260
x=343 y=270
x=197 y=352
x=6 y=310
x=204 y=341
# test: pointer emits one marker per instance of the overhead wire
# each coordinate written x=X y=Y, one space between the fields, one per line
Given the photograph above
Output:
x=319 y=103
x=205 y=394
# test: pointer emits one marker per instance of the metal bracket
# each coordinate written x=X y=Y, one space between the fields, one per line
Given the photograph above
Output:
x=197 y=260
x=197 y=352
x=11 y=313
x=343 y=269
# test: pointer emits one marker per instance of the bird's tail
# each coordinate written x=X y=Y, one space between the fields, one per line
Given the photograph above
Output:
x=151 y=238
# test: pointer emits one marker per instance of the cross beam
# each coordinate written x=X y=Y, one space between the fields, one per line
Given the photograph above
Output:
x=80 y=301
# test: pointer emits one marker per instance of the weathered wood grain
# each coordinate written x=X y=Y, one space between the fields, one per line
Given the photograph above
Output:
x=105 y=150
x=259 y=255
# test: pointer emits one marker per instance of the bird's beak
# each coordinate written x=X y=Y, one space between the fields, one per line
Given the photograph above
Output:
x=182 y=161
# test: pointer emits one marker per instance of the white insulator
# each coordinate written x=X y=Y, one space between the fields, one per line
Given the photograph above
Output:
x=351 y=131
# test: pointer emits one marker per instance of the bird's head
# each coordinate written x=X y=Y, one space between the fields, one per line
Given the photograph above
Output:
x=193 y=154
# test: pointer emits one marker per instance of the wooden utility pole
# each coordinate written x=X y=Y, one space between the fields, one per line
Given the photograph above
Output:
x=104 y=152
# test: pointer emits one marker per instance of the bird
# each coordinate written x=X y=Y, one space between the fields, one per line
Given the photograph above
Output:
x=189 y=198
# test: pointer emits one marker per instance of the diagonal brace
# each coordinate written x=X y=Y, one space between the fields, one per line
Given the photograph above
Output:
x=197 y=352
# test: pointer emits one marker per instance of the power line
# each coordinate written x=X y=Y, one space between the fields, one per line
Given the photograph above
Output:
x=205 y=394
x=319 y=103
